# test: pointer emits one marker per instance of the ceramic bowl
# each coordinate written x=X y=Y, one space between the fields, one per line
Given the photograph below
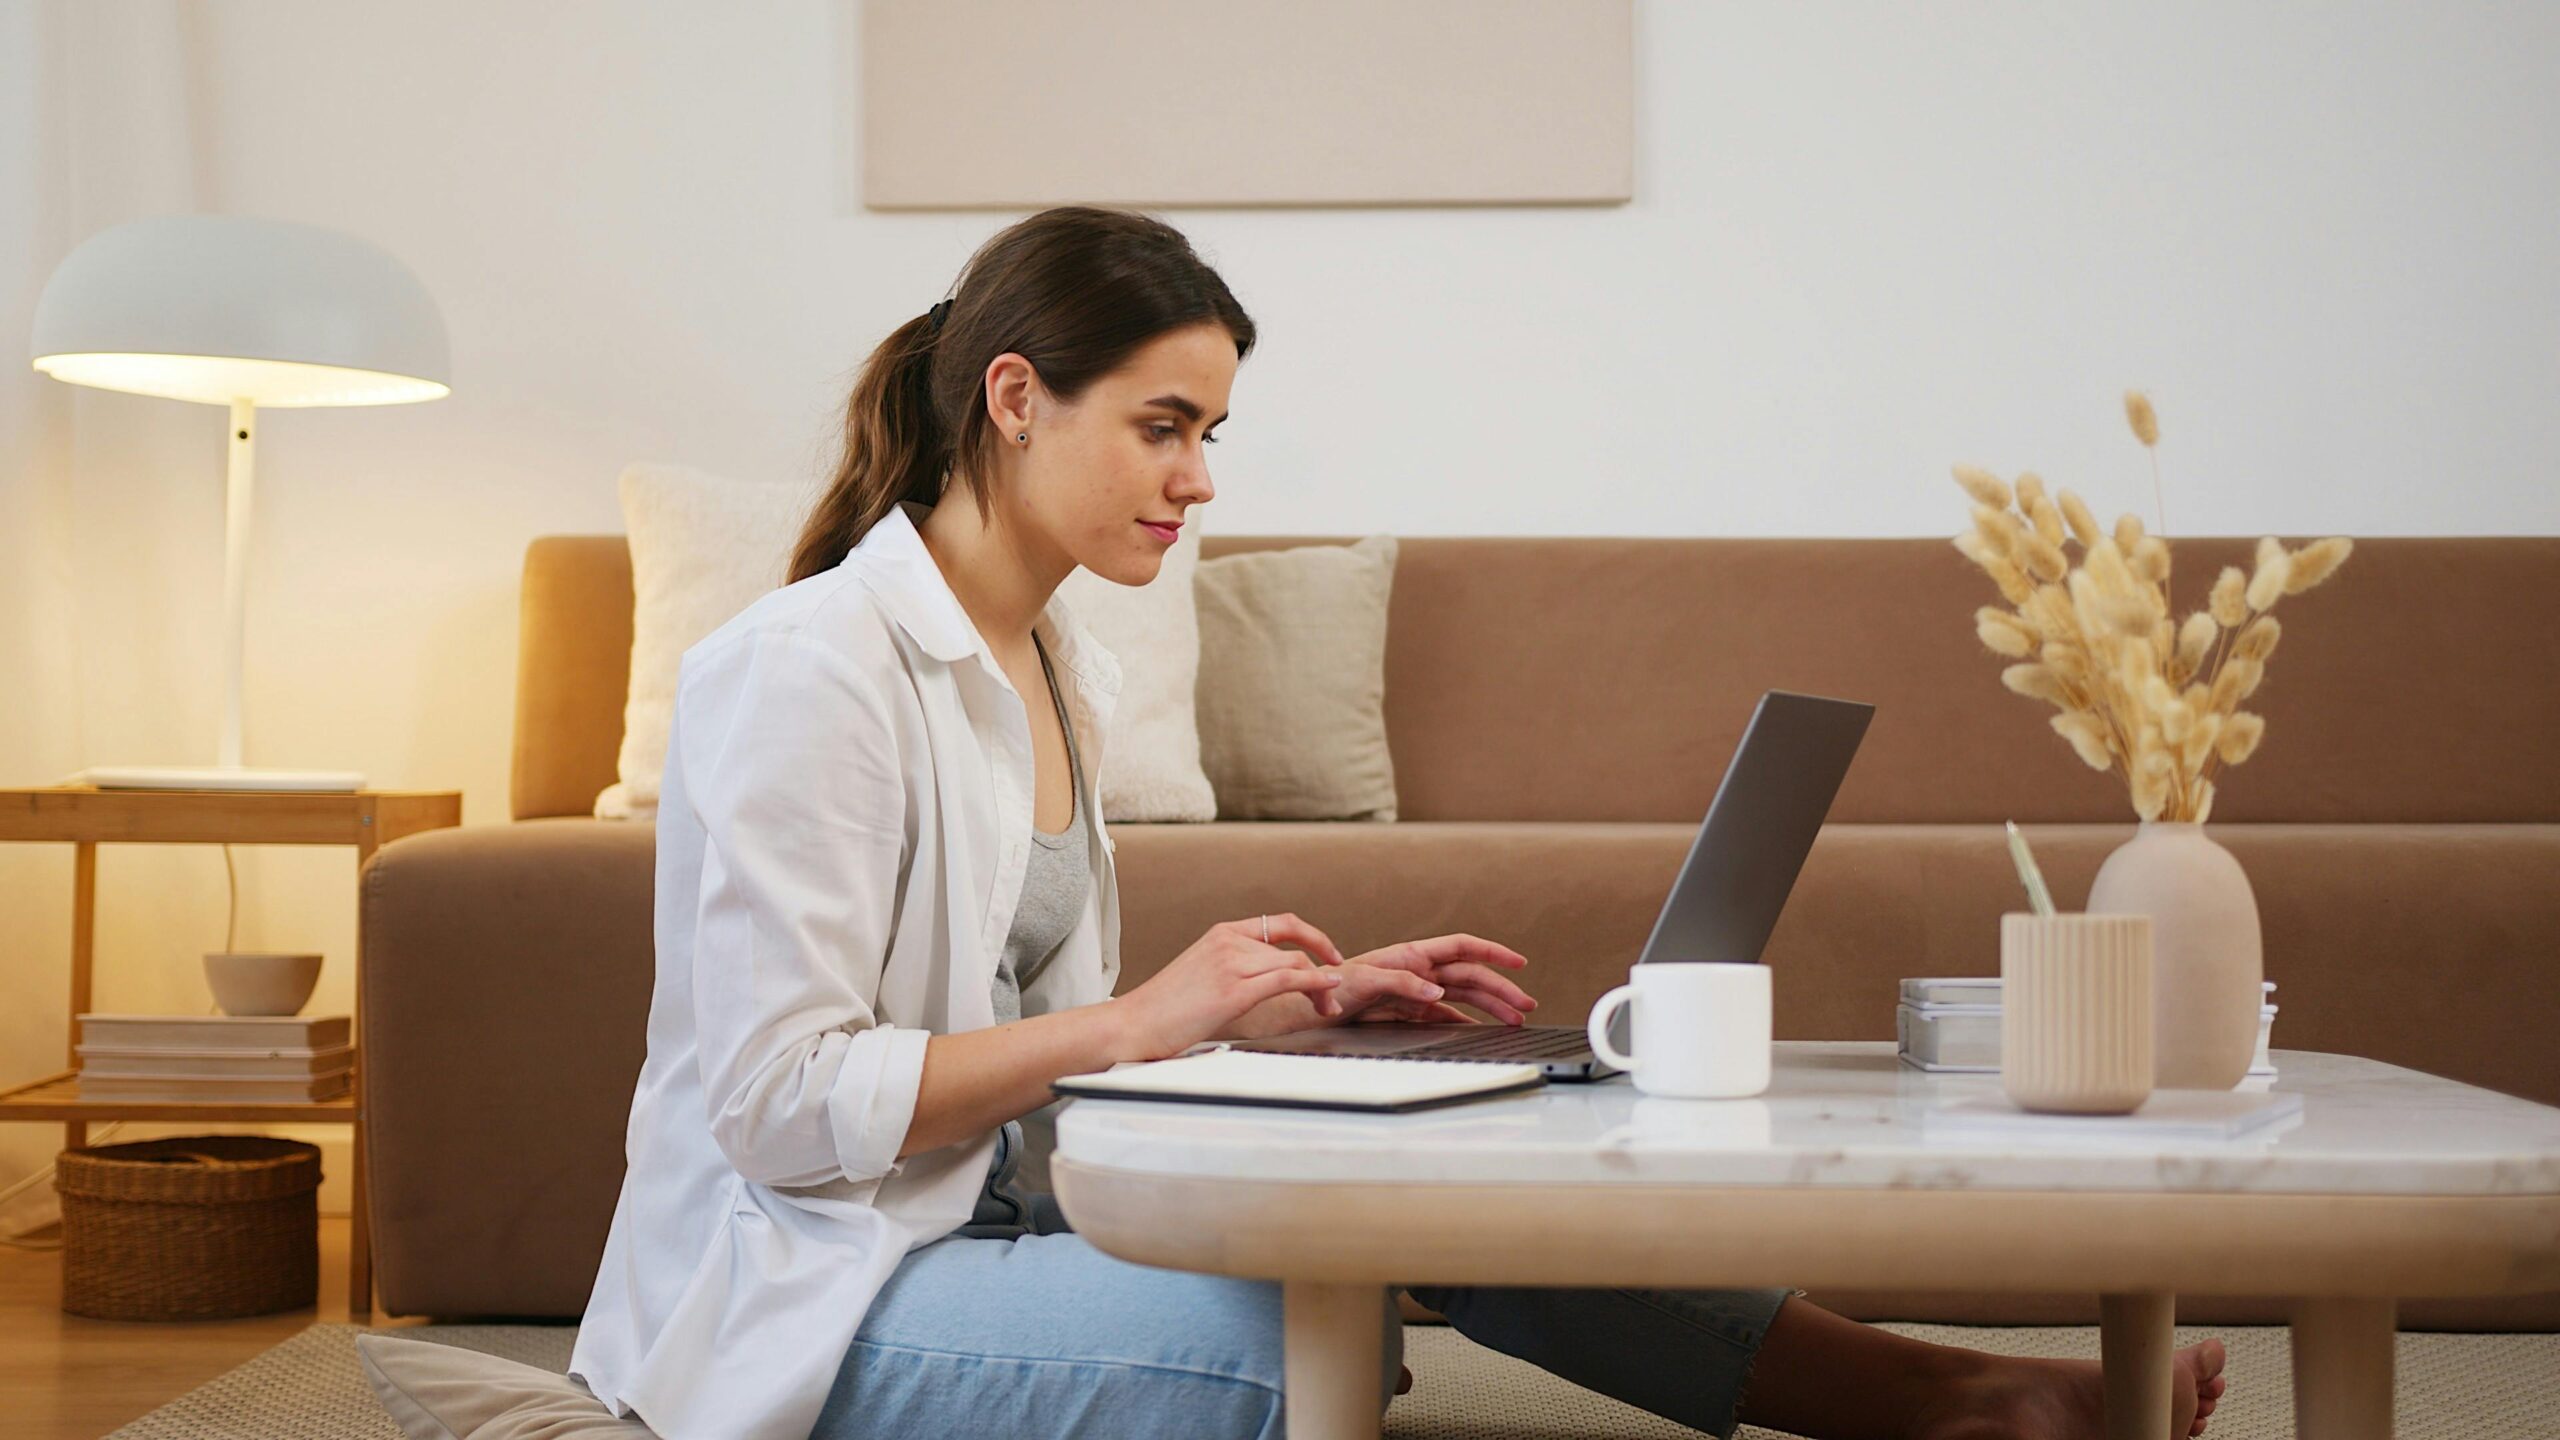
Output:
x=260 y=982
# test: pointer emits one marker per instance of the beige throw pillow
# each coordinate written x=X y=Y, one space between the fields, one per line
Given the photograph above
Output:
x=1151 y=759
x=1293 y=681
x=703 y=548
x=435 y=1391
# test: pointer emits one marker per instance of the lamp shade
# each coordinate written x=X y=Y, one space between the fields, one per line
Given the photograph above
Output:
x=220 y=308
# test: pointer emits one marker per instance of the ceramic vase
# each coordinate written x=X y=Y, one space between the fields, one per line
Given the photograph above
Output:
x=2206 y=970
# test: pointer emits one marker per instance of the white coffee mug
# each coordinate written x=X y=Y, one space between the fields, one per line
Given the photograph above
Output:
x=1701 y=1028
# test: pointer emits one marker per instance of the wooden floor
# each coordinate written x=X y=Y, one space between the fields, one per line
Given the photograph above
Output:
x=66 y=1378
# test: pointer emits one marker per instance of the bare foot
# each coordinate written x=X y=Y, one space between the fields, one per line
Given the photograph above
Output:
x=2014 y=1398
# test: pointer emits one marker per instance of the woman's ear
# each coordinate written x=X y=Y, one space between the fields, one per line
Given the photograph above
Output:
x=1012 y=387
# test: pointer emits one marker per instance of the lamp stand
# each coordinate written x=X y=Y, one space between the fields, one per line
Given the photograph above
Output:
x=239 y=484
x=228 y=773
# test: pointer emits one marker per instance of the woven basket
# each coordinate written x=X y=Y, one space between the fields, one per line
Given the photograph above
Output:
x=199 y=1227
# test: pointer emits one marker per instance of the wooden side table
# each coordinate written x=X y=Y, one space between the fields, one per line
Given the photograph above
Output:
x=86 y=817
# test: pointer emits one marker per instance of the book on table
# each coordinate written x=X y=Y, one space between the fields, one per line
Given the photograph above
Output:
x=2167 y=1115
x=274 y=1062
x=198 y=1089
x=1953 y=1024
x=1316 y=1082
x=216 y=1032
x=255 y=1059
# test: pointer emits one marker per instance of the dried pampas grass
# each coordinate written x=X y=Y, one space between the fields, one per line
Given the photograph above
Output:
x=2145 y=420
x=2314 y=563
x=2229 y=602
x=2152 y=699
x=1985 y=487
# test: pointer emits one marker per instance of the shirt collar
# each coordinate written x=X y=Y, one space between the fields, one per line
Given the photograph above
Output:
x=913 y=590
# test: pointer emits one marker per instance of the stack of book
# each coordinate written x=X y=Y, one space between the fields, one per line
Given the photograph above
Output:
x=1953 y=1023
x=214 y=1059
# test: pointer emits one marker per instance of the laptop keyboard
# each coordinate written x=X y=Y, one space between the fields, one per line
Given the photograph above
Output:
x=1507 y=1042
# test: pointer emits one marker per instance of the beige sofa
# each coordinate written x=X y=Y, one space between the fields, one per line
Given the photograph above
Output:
x=1559 y=712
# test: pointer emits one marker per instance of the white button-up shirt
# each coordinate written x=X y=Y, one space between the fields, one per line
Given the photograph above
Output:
x=842 y=834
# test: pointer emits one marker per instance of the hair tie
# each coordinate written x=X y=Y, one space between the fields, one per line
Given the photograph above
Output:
x=940 y=309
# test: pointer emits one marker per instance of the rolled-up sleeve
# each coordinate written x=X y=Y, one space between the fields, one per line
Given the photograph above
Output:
x=790 y=760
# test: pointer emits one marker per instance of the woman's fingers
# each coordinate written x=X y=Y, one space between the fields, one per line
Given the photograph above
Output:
x=1314 y=981
x=1257 y=960
x=1397 y=957
x=1413 y=958
x=1438 y=1012
x=1441 y=949
x=1493 y=982
x=1403 y=984
x=1292 y=930
x=1306 y=939
x=1493 y=1005
x=1328 y=1003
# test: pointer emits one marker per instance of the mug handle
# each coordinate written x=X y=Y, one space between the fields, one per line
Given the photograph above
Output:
x=1596 y=1029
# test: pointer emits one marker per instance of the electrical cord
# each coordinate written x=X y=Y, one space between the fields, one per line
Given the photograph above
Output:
x=40 y=1177
x=230 y=934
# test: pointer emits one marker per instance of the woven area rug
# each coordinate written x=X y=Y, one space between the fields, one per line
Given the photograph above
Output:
x=2476 y=1387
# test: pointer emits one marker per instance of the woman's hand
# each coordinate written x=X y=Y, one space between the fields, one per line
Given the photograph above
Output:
x=1225 y=973
x=1467 y=971
x=1415 y=980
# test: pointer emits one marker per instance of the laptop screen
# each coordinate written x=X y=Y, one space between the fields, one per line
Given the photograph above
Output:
x=1758 y=829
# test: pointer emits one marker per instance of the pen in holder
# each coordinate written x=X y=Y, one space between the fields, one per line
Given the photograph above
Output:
x=2075 y=1012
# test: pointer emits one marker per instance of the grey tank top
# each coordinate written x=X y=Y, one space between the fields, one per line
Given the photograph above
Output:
x=1053 y=893
x=1054 y=881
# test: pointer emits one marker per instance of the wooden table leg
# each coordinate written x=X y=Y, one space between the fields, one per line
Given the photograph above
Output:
x=2343 y=1354
x=359 y=1220
x=359 y=1233
x=2134 y=1339
x=84 y=946
x=1334 y=1347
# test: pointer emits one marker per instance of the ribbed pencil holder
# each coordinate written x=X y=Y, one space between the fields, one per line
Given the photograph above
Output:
x=2075 y=1012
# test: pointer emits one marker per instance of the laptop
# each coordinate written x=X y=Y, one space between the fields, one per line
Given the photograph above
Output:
x=1744 y=861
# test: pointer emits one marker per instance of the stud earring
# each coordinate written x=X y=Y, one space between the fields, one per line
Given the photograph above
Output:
x=1024 y=437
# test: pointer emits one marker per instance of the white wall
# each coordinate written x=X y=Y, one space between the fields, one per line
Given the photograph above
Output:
x=1869 y=240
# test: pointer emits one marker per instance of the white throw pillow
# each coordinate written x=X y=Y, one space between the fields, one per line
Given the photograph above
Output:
x=444 y=1392
x=1293 y=681
x=703 y=548
x=1151 y=757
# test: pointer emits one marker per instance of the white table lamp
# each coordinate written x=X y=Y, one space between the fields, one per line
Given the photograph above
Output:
x=229 y=310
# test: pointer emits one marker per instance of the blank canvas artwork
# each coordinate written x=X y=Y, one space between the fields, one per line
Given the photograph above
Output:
x=1018 y=104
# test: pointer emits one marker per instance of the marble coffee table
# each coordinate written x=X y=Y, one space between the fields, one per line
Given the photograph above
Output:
x=2389 y=1183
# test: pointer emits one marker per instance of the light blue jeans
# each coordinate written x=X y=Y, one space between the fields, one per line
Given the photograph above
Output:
x=1015 y=1325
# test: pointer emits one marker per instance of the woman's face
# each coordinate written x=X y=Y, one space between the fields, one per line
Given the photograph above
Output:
x=1133 y=449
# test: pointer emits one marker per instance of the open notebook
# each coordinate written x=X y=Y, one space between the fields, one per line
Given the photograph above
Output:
x=1318 y=1082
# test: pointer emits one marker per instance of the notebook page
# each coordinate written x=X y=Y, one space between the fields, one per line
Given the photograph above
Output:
x=1317 y=1079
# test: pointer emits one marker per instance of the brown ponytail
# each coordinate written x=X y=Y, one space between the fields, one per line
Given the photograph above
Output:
x=1075 y=290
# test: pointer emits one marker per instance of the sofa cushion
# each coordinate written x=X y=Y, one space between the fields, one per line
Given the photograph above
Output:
x=507 y=973
x=573 y=673
x=504 y=1007
x=1602 y=678
x=435 y=1391
x=1152 y=765
x=1597 y=678
x=1293 y=649
x=703 y=548
x=2422 y=945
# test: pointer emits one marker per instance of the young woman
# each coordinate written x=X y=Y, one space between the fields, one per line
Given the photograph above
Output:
x=887 y=917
